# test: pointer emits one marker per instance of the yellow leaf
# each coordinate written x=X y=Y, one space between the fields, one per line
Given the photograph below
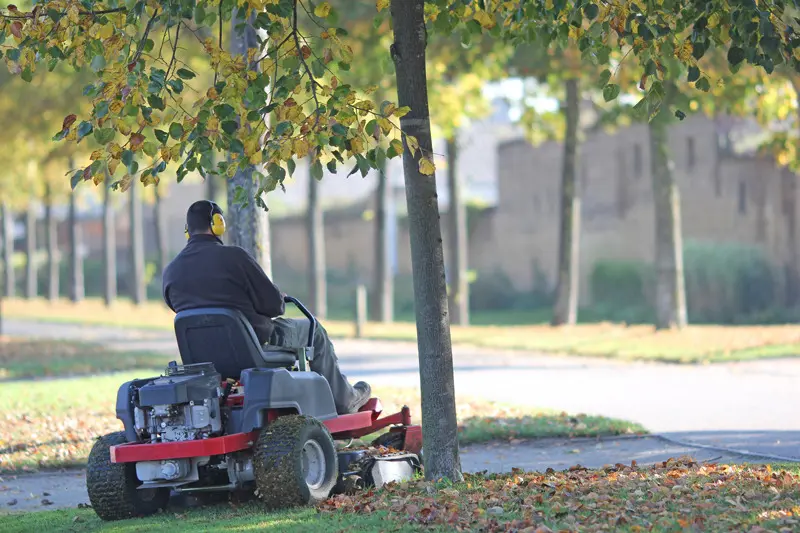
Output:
x=485 y=19
x=112 y=165
x=322 y=10
x=412 y=144
x=397 y=146
x=301 y=147
x=381 y=4
x=356 y=146
x=386 y=126
x=97 y=154
x=115 y=107
x=98 y=178
x=402 y=111
x=426 y=166
x=73 y=14
x=106 y=31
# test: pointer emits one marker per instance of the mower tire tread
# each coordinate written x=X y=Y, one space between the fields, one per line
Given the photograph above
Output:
x=112 y=487
x=277 y=462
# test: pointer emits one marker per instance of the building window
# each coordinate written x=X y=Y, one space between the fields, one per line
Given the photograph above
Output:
x=742 y=198
x=690 y=153
x=637 y=160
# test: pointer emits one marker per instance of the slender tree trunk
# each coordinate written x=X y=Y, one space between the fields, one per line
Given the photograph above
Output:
x=316 y=248
x=109 y=248
x=248 y=224
x=670 y=284
x=161 y=231
x=77 y=287
x=457 y=217
x=31 y=270
x=51 y=243
x=382 y=307
x=9 y=277
x=439 y=423
x=138 y=289
x=565 y=310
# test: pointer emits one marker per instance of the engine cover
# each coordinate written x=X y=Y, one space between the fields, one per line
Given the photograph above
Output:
x=181 y=405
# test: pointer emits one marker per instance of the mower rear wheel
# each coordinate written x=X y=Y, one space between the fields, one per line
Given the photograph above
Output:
x=112 y=487
x=295 y=462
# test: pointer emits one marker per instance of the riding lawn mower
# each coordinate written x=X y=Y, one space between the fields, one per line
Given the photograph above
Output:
x=236 y=416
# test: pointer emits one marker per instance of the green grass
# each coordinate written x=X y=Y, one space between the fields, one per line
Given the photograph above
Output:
x=694 y=344
x=52 y=423
x=22 y=358
x=245 y=518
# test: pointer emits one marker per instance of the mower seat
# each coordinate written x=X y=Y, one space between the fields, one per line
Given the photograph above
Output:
x=225 y=338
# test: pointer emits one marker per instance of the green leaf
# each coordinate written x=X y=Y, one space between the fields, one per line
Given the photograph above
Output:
x=161 y=135
x=176 y=130
x=694 y=74
x=98 y=63
x=229 y=126
x=316 y=170
x=703 y=84
x=176 y=85
x=291 y=165
x=610 y=92
x=604 y=77
x=104 y=136
x=185 y=74
x=331 y=166
x=591 y=11
x=150 y=148
x=156 y=102
x=127 y=158
x=224 y=110
x=84 y=129
x=283 y=127
x=735 y=55
x=26 y=75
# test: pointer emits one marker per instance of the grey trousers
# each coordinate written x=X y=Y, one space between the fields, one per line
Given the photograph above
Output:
x=293 y=332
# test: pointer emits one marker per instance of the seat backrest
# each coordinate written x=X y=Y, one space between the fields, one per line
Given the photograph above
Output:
x=220 y=336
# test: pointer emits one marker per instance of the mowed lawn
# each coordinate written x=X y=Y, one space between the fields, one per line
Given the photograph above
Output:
x=674 y=496
x=694 y=344
x=52 y=422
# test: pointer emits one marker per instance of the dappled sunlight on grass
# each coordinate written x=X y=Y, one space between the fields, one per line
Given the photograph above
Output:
x=692 y=344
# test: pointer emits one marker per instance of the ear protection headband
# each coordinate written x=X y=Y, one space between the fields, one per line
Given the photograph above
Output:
x=216 y=222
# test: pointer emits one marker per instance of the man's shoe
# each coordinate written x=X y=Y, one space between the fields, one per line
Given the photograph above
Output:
x=362 y=391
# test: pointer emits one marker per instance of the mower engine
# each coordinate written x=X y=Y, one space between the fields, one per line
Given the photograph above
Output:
x=182 y=405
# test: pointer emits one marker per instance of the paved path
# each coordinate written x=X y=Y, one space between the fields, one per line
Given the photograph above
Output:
x=45 y=491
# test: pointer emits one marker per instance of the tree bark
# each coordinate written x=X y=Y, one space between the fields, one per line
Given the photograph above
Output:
x=9 y=277
x=670 y=283
x=439 y=423
x=76 y=280
x=31 y=270
x=138 y=289
x=161 y=232
x=109 y=248
x=248 y=224
x=458 y=298
x=316 y=248
x=51 y=244
x=381 y=308
x=565 y=310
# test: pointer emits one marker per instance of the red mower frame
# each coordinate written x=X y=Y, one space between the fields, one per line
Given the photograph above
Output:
x=350 y=426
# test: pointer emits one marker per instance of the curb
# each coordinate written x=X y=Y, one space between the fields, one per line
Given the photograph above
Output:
x=734 y=451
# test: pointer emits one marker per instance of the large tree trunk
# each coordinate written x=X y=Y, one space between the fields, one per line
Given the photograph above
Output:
x=51 y=244
x=76 y=282
x=670 y=285
x=31 y=270
x=9 y=279
x=161 y=232
x=248 y=225
x=109 y=248
x=439 y=423
x=565 y=310
x=382 y=306
x=316 y=248
x=138 y=289
x=458 y=300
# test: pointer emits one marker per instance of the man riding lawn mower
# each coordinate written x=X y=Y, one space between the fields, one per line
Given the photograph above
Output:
x=257 y=403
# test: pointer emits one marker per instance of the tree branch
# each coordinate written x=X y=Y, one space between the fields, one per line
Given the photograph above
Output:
x=312 y=81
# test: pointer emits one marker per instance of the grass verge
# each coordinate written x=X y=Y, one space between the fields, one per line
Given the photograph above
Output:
x=677 y=495
x=694 y=344
x=52 y=423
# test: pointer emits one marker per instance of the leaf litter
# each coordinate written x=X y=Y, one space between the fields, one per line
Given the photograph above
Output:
x=679 y=494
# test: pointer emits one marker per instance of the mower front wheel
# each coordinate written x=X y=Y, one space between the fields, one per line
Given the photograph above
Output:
x=113 y=487
x=295 y=462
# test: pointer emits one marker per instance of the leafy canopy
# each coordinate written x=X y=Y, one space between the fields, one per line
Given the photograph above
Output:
x=285 y=98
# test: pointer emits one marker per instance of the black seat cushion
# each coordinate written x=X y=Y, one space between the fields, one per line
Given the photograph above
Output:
x=225 y=338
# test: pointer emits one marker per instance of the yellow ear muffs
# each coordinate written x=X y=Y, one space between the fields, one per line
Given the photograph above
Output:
x=218 y=224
